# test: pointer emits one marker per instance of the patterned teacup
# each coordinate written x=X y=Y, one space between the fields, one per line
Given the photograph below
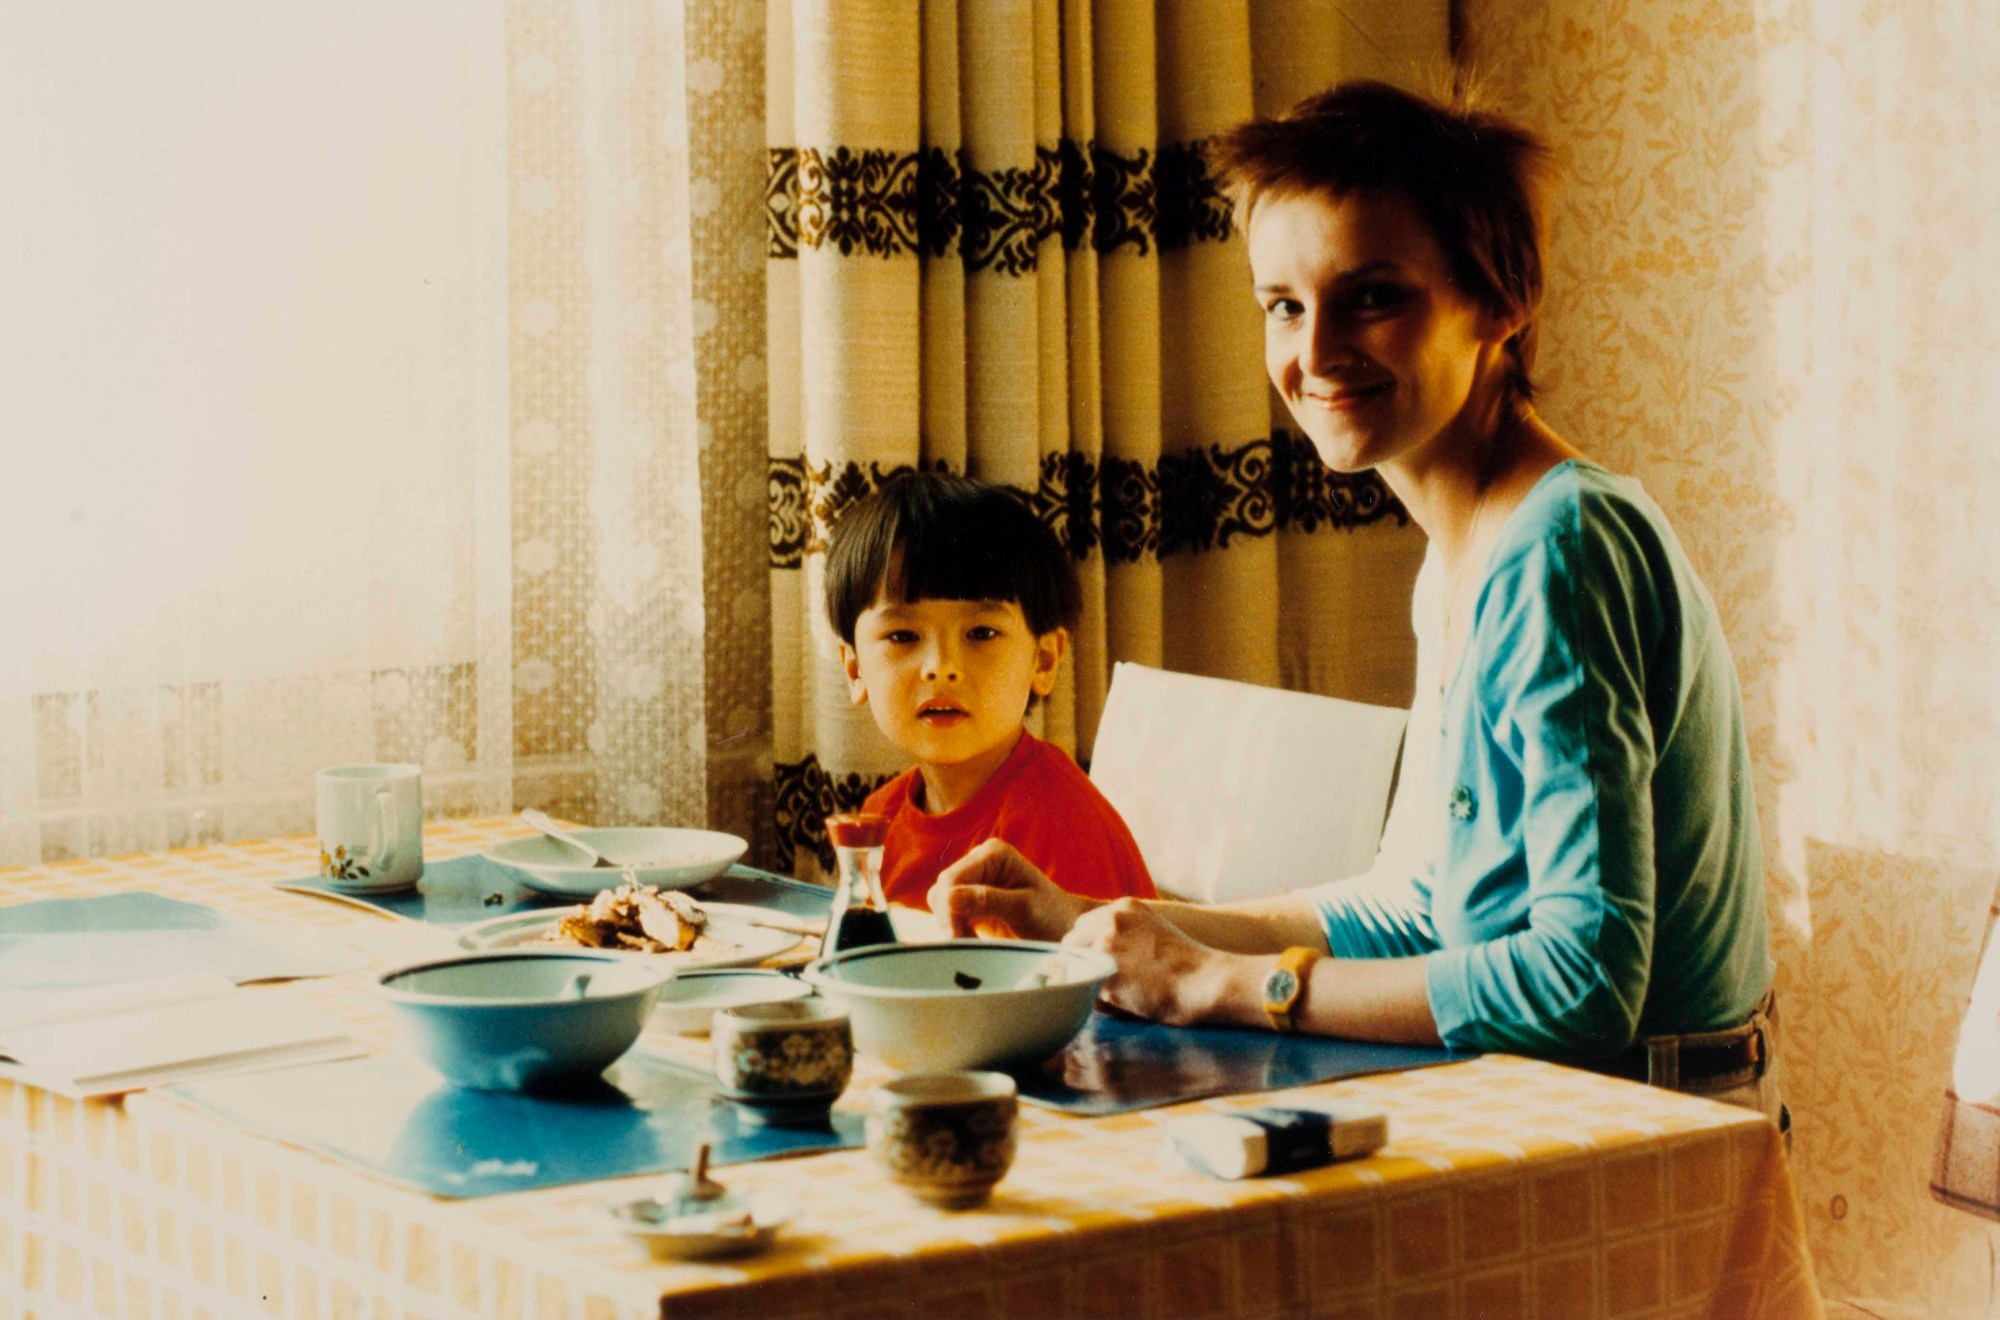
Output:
x=945 y=1137
x=783 y=1063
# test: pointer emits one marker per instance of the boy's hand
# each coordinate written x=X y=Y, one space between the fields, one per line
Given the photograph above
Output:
x=1164 y=975
x=993 y=890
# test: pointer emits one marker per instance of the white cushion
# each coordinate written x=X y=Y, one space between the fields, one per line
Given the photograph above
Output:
x=1235 y=791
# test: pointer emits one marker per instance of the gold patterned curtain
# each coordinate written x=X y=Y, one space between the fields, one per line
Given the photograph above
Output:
x=412 y=416
x=995 y=246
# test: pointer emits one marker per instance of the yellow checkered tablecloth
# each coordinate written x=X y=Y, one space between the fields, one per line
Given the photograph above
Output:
x=1510 y=1188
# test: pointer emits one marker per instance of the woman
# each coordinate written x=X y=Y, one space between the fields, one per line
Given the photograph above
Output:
x=1572 y=866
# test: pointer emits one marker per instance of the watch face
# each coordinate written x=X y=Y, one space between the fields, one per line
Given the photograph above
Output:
x=1280 y=986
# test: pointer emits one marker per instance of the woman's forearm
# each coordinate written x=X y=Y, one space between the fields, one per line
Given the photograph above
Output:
x=1186 y=963
x=1374 y=999
x=1260 y=926
x=1377 y=999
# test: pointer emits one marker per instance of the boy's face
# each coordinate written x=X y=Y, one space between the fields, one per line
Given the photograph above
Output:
x=948 y=680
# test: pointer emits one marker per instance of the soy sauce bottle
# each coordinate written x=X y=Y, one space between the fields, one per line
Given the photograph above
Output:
x=860 y=913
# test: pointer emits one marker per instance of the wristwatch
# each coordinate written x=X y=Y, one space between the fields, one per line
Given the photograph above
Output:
x=1285 y=987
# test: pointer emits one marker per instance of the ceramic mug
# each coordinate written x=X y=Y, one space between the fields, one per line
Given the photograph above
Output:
x=945 y=1137
x=371 y=827
x=783 y=1063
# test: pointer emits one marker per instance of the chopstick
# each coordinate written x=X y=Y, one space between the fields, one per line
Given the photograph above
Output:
x=787 y=922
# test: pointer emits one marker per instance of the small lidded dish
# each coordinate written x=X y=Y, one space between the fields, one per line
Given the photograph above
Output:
x=693 y=1217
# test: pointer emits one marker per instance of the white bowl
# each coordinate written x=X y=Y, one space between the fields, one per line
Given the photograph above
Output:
x=669 y=858
x=961 y=1003
x=688 y=1002
x=522 y=1021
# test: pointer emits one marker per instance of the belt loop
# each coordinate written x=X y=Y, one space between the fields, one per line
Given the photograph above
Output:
x=1663 y=1062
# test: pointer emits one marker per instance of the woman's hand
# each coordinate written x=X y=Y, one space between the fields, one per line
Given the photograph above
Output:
x=1164 y=975
x=993 y=890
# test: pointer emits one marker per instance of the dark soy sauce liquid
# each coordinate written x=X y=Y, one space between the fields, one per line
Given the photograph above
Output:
x=860 y=915
x=856 y=927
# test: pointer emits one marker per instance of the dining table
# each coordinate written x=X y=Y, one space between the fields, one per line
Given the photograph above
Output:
x=1509 y=1187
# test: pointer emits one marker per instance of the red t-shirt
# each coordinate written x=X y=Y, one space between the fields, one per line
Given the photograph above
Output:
x=1038 y=801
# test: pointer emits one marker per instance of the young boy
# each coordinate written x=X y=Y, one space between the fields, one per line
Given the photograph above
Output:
x=953 y=605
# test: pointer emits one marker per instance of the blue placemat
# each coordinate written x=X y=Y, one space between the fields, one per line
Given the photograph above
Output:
x=452 y=892
x=460 y=890
x=70 y=916
x=391 y=1116
x=60 y=944
x=1117 y=1064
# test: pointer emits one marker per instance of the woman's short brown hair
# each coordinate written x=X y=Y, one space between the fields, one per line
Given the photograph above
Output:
x=1477 y=178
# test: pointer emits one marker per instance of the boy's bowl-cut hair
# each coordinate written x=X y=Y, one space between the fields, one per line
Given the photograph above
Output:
x=1478 y=178
x=936 y=536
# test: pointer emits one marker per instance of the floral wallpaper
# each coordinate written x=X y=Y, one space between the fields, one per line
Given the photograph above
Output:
x=1770 y=269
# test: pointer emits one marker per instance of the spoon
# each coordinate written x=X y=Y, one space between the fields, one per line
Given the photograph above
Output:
x=541 y=822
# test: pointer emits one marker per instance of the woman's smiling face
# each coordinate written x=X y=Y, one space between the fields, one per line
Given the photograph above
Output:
x=1373 y=348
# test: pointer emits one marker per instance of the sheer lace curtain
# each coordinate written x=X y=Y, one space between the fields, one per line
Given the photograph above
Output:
x=373 y=377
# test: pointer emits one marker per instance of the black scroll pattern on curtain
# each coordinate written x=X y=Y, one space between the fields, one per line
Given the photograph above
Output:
x=1128 y=509
x=781 y=204
x=1191 y=501
x=1065 y=500
x=884 y=203
x=790 y=522
x=806 y=794
x=940 y=181
x=1210 y=494
x=1193 y=207
x=858 y=201
x=805 y=500
x=1311 y=496
x=1076 y=193
x=1124 y=200
x=1048 y=193
x=1000 y=209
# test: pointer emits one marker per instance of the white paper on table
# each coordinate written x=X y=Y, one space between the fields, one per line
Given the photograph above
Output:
x=34 y=1009
x=93 y=1042
x=1235 y=791
x=61 y=960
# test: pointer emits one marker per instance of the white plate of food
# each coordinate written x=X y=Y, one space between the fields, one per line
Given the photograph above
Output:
x=642 y=921
x=668 y=858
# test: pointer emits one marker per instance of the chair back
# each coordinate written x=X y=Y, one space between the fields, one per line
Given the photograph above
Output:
x=1235 y=791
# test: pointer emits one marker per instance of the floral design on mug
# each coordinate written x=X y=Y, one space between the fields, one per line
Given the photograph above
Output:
x=947 y=1143
x=809 y=1059
x=337 y=865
